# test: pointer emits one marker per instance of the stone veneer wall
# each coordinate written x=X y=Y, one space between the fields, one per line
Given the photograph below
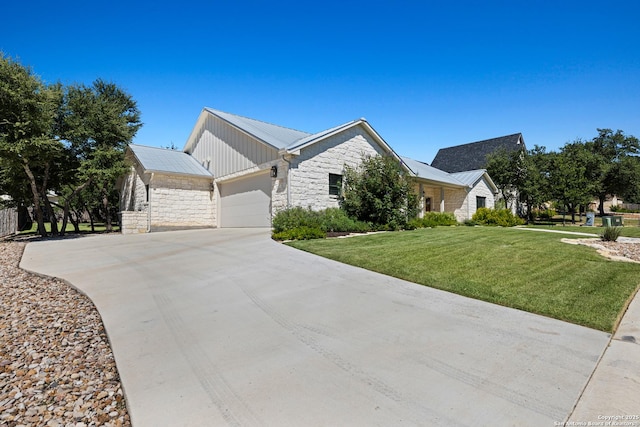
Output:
x=310 y=170
x=179 y=201
x=134 y=195
x=134 y=222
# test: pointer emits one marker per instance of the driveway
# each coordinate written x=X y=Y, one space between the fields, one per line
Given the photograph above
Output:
x=226 y=327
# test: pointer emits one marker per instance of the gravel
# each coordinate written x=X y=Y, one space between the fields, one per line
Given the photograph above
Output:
x=625 y=249
x=56 y=364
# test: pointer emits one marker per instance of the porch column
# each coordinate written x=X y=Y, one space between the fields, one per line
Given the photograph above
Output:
x=441 y=199
x=421 y=201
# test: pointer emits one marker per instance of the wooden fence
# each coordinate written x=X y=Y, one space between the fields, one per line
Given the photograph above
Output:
x=8 y=222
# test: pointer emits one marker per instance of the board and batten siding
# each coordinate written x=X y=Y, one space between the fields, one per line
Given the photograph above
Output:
x=224 y=150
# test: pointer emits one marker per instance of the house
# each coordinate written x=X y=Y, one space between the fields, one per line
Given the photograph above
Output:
x=473 y=156
x=238 y=172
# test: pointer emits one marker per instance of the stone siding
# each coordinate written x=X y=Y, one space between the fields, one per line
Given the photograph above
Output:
x=310 y=170
x=134 y=222
x=133 y=191
x=178 y=201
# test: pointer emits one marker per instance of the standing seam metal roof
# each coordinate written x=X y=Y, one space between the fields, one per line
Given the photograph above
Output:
x=277 y=136
x=155 y=159
x=423 y=170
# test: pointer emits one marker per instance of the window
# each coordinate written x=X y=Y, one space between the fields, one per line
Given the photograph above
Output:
x=335 y=184
x=481 y=202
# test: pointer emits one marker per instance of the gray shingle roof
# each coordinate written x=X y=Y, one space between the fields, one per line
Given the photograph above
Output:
x=473 y=156
x=155 y=159
x=423 y=170
x=277 y=136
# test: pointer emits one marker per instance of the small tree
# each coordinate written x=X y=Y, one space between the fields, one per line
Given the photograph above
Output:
x=379 y=191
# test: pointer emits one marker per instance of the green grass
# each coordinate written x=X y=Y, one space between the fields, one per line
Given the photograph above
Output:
x=515 y=268
x=84 y=228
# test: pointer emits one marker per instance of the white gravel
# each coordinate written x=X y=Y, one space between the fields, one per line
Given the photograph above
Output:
x=56 y=364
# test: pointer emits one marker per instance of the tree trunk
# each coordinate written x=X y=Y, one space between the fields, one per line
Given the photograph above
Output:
x=67 y=207
x=37 y=207
x=107 y=212
x=52 y=215
x=601 y=199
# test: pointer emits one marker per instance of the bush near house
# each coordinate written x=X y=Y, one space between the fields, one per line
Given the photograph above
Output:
x=303 y=224
x=433 y=219
x=499 y=217
x=379 y=192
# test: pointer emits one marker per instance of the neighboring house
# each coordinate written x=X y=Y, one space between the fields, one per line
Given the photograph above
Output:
x=238 y=172
x=474 y=156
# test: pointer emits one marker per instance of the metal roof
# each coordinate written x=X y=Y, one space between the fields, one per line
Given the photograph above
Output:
x=423 y=170
x=155 y=159
x=469 y=177
x=277 y=136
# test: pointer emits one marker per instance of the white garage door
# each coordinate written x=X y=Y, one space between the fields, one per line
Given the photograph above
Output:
x=246 y=202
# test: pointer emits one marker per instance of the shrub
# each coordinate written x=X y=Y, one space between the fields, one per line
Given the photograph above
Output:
x=337 y=220
x=544 y=214
x=379 y=191
x=470 y=223
x=301 y=224
x=499 y=217
x=295 y=217
x=610 y=234
x=300 y=233
x=432 y=219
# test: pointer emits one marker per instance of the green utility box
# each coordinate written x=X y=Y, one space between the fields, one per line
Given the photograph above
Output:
x=612 y=221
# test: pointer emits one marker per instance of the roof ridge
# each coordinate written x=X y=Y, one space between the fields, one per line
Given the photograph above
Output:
x=485 y=140
x=213 y=110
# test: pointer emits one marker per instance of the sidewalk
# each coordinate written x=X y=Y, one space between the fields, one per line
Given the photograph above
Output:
x=614 y=387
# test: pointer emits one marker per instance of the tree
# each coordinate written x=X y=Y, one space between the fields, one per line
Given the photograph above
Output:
x=99 y=122
x=569 y=182
x=28 y=143
x=533 y=183
x=506 y=169
x=61 y=139
x=611 y=153
x=379 y=191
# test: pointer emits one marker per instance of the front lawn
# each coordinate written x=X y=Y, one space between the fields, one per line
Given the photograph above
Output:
x=515 y=268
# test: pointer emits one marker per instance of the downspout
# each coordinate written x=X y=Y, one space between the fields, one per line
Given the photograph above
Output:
x=149 y=204
x=288 y=181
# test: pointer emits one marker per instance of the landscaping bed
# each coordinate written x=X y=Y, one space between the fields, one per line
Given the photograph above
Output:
x=56 y=364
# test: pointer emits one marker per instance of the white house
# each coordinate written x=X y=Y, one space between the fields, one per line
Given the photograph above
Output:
x=238 y=172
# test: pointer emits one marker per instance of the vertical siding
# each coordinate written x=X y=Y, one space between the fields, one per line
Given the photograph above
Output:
x=229 y=149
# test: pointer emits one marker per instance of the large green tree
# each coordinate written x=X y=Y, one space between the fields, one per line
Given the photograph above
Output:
x=612 y=165
x=29 y=146
x=569 y=182
x=99 y=121
x=68 y=140
x=379 y=191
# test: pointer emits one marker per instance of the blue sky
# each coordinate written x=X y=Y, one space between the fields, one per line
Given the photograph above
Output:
x=425 y=74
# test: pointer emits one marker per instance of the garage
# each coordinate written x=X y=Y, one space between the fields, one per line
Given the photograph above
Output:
x=246 y=202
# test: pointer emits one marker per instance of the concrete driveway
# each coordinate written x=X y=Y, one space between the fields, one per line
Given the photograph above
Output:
x=226 y=327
